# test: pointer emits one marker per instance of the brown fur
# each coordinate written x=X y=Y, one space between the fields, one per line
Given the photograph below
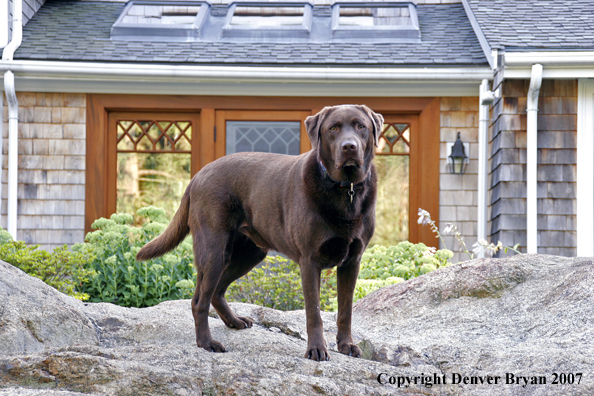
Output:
x=242 y=205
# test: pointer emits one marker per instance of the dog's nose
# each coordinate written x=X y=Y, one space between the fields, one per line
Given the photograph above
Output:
x=349 y=146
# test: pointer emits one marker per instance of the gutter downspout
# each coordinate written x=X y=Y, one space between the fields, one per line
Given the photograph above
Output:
x=486 y=99
x=532 y=160
x=13 y=117
x=1 y=137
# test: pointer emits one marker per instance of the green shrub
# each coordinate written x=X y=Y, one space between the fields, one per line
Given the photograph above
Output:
x=115 y=275
x=405 y=260
x=105 y=269
x=276 y=283
x=62 y=269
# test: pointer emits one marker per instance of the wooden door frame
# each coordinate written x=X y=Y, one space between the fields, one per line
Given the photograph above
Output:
x=99 y=105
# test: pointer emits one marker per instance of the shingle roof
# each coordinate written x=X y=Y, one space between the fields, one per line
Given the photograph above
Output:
x=534 y=25
x=80 y=31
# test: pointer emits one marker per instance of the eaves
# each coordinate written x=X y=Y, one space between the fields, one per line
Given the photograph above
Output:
x=243 y=80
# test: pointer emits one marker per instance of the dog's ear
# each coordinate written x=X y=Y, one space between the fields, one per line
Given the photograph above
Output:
x=378 y=123
x=313 y=124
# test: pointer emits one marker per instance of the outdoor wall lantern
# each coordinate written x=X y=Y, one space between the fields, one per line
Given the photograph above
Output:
x=458 y=158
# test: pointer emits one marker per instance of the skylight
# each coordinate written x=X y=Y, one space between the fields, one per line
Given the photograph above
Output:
x=268 y=21
x=379 y=20
x=180 y=21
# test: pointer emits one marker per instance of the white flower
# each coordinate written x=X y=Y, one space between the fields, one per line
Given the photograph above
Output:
x=449 y=229
x=424 y=217
x=478 y=247
x=429 y=252
x=489 y=249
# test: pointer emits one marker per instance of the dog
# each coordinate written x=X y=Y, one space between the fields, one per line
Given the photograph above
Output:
x=317 y=208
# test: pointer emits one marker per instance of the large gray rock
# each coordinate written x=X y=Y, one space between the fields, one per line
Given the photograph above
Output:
x=530 y=316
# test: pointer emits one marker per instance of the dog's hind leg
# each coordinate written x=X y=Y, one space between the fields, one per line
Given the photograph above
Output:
x=211 y=254
x=245 y=256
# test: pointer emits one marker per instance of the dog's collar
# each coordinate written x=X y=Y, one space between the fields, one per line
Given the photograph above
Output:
x=327 y=176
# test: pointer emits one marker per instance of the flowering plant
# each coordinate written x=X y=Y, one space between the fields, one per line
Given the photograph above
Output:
x=479 y=248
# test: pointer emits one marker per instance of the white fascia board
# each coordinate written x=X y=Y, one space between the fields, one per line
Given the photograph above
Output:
x=557 y=64
x=550 y=58
x=550 y=72
x=479 y=34
x=192 y=73
x=386 y=89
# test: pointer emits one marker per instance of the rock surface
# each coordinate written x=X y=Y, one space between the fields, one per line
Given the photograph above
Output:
x=530 y=316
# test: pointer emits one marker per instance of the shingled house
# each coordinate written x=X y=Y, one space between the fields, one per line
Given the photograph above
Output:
x=99 y=83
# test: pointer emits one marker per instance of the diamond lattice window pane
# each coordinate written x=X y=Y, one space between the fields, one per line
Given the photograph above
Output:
x=154 y=132
x=280 y=137
x=136 y=132
x=183 y=144
x=391 y=134
x=125 y=144
x=144 y=144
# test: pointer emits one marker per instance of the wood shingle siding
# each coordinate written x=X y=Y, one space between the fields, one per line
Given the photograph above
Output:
x=556 y=172
x=51 y=177
x=458 y=193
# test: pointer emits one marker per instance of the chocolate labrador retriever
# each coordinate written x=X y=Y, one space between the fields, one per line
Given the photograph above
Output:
x=317 y=208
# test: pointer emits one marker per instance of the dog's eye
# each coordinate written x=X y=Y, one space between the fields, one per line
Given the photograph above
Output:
x=333 y=128
x=361 y=126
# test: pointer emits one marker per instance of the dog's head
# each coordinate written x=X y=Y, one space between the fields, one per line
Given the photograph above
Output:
x=345 y=138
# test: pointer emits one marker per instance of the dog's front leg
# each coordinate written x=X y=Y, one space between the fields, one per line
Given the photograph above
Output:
x=347 y=279
x=310 y=280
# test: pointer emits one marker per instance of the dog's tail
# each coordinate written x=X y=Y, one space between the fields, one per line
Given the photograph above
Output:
x=175 y=232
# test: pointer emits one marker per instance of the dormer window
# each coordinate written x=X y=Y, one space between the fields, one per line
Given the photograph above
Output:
x=150 y=20
x=268 y=21
x=261 y=21
x=375 y=21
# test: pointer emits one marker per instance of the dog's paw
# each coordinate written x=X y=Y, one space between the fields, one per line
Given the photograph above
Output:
x=317 y=353
x=349 y=349
x=241 y=323
x=237 y=322
x=213 y=346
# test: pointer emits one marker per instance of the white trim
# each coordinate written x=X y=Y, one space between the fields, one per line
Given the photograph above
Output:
x=193 y=73
x=549 y=58
x=486 y=99
x=13 y=156
x=532 y=160
x=13 y=116
x=550 y=72
x=585 y=169
x=386 y=89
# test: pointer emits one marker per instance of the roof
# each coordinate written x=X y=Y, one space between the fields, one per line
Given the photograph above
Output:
x=80 y=31
x=536 y=25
